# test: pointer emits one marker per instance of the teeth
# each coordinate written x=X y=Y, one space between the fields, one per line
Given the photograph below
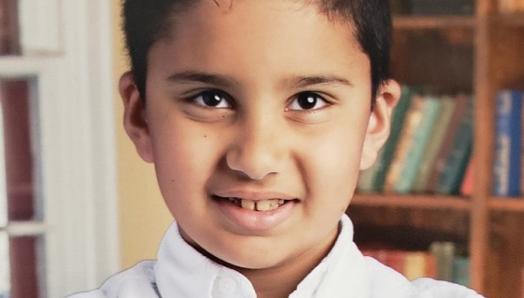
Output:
x=263 y=205
x=247 y=204
x=267 y=205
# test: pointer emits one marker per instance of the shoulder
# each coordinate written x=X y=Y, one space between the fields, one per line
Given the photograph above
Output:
x=442 y=289
x=137 y=280
x=385 y=280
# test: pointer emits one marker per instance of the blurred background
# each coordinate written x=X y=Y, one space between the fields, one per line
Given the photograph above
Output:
x=445 y=198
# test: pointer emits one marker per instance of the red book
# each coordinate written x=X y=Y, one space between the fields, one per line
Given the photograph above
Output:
x=396 y=260
x=467 y=184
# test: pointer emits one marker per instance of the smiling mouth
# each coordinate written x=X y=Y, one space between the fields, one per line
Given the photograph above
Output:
x=259 y=205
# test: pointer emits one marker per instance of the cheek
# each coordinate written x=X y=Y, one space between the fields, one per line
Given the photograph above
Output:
x=333 y=165
x=184 y=160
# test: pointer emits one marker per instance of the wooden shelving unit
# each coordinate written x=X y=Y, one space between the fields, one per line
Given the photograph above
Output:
x=413 y=201
x=433 y=22
x=483 y=54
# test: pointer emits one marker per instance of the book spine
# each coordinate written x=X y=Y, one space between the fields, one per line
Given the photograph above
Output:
x=438 y=167
x=437 y=138
x=468 y=186
x=444 y=253
x=457 y=161
x=412 y=121
x=419 y=145
x=507 y=147
x=461 y=271
x=515 y=145
x=415 y=265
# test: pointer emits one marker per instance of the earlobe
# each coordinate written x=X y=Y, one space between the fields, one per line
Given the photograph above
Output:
x=379 y=124
x=135 y=122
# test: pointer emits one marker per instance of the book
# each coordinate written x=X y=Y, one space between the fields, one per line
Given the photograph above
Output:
x=415 y=265
x=9 y=28
x=412 y=121
x=444 y=253
x=366 y=177
x=461 y=103
x=456 y=162
x=411 y=264
x=437 y=138
x=507 y=163
x=397 y=125
x=461 y=271
x=468 y=186
x=419 y=143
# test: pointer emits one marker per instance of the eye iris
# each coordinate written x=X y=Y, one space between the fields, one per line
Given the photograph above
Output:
x=307 y=101
x=211 y=99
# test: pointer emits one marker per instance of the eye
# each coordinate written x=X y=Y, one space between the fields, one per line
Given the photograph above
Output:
x=212 y=99
x=307 y=101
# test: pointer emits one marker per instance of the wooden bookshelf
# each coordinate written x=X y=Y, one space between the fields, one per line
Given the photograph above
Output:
x=407 y=23
x=491 y=45
x=412 y=201
x=507 y=204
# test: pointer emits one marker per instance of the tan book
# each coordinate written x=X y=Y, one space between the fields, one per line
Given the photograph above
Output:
x=412 y=121
x=415 y=265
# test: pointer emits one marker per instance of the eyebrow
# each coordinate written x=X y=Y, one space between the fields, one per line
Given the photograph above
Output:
x=226 y=81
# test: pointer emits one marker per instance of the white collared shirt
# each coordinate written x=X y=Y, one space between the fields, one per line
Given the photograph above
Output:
x=182 y=272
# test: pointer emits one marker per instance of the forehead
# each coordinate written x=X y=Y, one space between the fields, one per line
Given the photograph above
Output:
x=258 y=36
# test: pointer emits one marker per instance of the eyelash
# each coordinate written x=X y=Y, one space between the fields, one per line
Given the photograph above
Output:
x=223 y=95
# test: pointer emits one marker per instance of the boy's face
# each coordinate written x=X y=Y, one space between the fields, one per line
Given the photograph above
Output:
x=262 y=100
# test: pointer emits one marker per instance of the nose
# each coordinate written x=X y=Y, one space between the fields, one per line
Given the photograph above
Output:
x=256 y=151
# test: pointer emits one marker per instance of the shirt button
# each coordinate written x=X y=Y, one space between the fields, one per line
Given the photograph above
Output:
x=224 y=287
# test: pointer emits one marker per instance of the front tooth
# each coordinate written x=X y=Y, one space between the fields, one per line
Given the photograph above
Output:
x=267 y=205
x=248 y=204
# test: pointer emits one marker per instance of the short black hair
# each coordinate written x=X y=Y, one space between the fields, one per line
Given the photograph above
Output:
x=147 y=21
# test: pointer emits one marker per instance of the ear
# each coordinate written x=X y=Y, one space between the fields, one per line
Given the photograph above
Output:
x=135 y=121
x=379 y=124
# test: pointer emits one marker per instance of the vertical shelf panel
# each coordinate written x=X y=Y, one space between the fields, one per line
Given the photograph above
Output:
x=482 y=154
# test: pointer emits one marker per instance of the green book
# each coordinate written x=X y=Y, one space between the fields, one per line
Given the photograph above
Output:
x=461 y=271
x=367 y=177
x=419 y=143
x=455 y=166
x=436 y=140
x=384 y=160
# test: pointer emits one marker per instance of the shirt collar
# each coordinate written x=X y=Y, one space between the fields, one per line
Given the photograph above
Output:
x=182 y=271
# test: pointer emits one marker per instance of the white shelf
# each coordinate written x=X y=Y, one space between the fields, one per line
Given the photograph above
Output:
x=22 y=66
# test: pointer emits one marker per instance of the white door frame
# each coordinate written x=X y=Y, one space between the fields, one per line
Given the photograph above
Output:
x=75 y=141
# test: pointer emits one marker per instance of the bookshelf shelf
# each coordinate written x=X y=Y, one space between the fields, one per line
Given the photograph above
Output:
x=429 y=22
x=412 y=201
x=507 y=204
x=511 y=19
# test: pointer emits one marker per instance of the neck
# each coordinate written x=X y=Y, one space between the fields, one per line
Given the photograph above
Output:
x=281 y=280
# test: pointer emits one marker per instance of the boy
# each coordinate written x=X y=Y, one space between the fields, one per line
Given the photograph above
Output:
x=258 y=117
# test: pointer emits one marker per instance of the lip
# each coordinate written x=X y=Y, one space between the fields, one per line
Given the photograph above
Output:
x=251 y=221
